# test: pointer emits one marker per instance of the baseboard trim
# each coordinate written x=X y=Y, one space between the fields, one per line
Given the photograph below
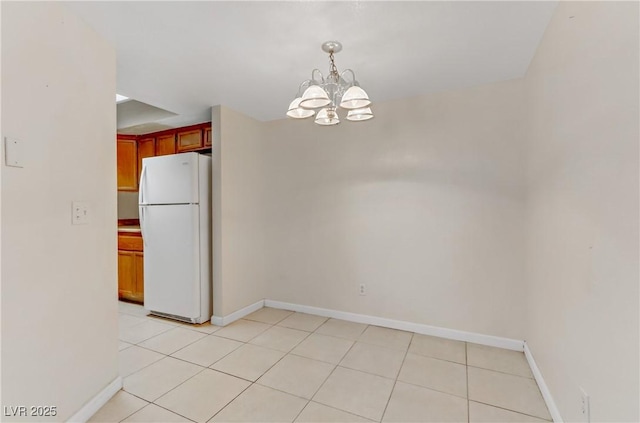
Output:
x=96 y=403
x=544 y=389
x=236 y=315
x=458 y=335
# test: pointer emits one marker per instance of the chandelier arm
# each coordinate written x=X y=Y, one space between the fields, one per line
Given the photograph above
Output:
x=353 y=77
x=321 y=81
x=302 y=85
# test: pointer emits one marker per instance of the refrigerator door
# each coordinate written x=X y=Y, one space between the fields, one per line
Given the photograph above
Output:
x=171 y=236
x=171 y=179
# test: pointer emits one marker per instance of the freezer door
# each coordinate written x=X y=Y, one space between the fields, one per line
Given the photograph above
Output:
x=171 y=179
x=171 y=237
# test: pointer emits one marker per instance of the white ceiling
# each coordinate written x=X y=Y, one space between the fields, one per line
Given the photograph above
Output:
x=250 y=56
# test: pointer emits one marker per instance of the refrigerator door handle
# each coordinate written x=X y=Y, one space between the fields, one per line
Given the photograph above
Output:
x=141 y=189
x=142 y=232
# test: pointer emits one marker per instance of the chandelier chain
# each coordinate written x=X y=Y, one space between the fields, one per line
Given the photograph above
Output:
x=333 y=70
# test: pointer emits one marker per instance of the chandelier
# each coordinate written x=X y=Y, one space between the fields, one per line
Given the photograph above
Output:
x=331 y=93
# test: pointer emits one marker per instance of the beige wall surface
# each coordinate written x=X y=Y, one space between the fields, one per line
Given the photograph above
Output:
x=423 y=204
x=239 y=195
x=216 y=212
x=582 y=209
x=59 y=281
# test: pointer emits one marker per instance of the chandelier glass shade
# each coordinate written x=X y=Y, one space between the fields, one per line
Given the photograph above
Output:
x=336 y=91
x=327 y=116
x=358 y=115
x=297 y=112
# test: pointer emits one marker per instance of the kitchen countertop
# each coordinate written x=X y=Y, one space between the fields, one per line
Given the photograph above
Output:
x=129 y=228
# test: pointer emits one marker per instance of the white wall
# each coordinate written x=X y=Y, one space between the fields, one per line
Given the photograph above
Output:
x=582 y=221
x=59 y=282
x=238 y=195
x=423 y=204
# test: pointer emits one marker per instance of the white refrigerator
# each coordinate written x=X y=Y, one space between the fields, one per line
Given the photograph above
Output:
x=175 y=216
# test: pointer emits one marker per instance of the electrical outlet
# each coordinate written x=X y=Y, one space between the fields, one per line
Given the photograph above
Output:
x=363 y=289
x=14 y=152
x=586 y=405
x=79 y=213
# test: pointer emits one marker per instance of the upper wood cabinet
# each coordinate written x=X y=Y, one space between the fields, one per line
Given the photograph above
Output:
x=189 y=140
x=127 y=163
x=146 y=148
x=133 y=148
x=207 y=137
x=166 y=144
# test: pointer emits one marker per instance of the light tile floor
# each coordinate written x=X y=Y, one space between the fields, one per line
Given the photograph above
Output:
x=280 y=366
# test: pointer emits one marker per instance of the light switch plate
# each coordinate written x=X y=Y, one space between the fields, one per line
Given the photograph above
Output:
x=13 y=152
x=79 y=213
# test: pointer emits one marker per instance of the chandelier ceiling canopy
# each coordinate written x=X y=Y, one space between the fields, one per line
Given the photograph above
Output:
x=336 y=91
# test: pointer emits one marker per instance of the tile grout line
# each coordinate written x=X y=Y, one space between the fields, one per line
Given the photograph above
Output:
x=397 y=375
x=146 y=339
x=421 y=386
x=504 y=373
x=151 y=403
x=513 y=411
x=173 y=352
x=171 y=411
x=466 y=368
x=209 y=366
x=332 y=371
x=227 y=404
x=147 y=403
x=172 y=389
x=141 y=368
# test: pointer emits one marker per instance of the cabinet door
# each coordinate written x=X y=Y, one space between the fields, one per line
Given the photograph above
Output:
x=146 y=148
x=126 y=274
x=165 y=144
x=138 y=291
x=127 y=165
x=189 y=140
x=207 y=137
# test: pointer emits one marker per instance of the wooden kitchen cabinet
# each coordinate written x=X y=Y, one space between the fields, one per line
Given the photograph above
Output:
x=138 y=261
x=189 y=140
x=126 y=274
x=133 y=148
x=130 y=267
x=146 y=148
x=127 y=158
x=207 y=137
x=166 y=144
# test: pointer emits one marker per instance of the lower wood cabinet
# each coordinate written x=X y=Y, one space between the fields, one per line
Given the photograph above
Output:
x=130 y=269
